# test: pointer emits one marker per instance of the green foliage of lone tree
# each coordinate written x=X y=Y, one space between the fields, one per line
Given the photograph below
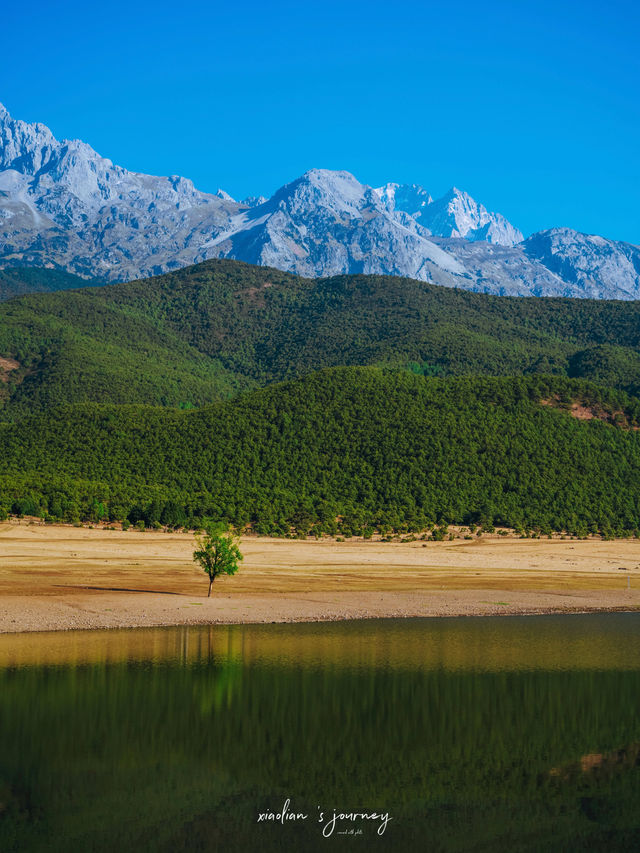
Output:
x=218 y=554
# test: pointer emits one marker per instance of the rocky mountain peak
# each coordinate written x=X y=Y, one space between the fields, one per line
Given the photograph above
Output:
x=410 y=198
x=456 y=214
x=254 y=200
x=586 y=260
x=63 y=205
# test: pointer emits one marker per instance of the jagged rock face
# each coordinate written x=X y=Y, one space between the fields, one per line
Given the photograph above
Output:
x=254 y=200
x=326 y=223
x=454 y=215
x=62 y=205
x=588 y=262
x=408 y=197
x=458 y=215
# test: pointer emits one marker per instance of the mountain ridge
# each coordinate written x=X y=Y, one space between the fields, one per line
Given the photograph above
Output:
x=64 y=206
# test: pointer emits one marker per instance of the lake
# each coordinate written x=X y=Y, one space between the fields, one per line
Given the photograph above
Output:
x=492 y=734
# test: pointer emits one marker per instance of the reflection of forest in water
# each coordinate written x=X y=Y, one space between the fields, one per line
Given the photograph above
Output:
x=181 y=750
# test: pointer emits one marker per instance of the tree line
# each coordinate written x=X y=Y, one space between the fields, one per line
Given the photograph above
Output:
x=345 y=451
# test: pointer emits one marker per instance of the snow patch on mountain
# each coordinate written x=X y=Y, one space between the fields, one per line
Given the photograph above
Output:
x=410 y=198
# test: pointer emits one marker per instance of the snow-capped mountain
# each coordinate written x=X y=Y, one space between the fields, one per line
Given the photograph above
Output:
x=454 y=215
x=458 y=215
x=62 y=205
x=326 y=223
x=408 y=197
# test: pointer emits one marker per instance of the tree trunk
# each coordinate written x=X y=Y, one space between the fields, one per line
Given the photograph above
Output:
x=210 y=585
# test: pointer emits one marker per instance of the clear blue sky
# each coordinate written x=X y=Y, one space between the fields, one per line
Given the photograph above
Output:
x=533 y=108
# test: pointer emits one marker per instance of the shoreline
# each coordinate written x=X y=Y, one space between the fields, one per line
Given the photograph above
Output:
x=59 y=578
x=139 y=621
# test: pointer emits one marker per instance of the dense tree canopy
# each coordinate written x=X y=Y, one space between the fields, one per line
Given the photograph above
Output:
x=210 y=331
x=373 y=448
x=250 y=396
x=21 y=280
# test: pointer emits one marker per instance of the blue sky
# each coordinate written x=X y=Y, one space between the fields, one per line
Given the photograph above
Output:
x=533 y=108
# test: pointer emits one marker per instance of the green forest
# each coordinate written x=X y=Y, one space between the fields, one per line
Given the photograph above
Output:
x=211 y=331
x=344 y=405
x=342 y=451
x=23 y=280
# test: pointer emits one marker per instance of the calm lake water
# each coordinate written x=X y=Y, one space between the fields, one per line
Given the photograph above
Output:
x=506 y=734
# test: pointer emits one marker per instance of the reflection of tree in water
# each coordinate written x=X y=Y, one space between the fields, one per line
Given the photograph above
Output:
x=217 y=692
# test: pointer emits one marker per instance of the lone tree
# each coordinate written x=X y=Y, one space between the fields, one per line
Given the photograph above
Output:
x=218 y=554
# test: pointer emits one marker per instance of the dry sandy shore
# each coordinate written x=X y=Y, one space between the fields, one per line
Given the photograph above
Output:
x=57 y=578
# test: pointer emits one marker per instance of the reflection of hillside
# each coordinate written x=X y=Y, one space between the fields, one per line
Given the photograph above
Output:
x=488 y=644
x=180 y=754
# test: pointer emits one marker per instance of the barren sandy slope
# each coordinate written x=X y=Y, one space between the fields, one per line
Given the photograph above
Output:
x=57 y=577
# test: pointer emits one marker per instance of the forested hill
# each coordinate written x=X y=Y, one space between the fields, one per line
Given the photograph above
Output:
x=374 y=448
x=212 y=330
x=23 y=280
